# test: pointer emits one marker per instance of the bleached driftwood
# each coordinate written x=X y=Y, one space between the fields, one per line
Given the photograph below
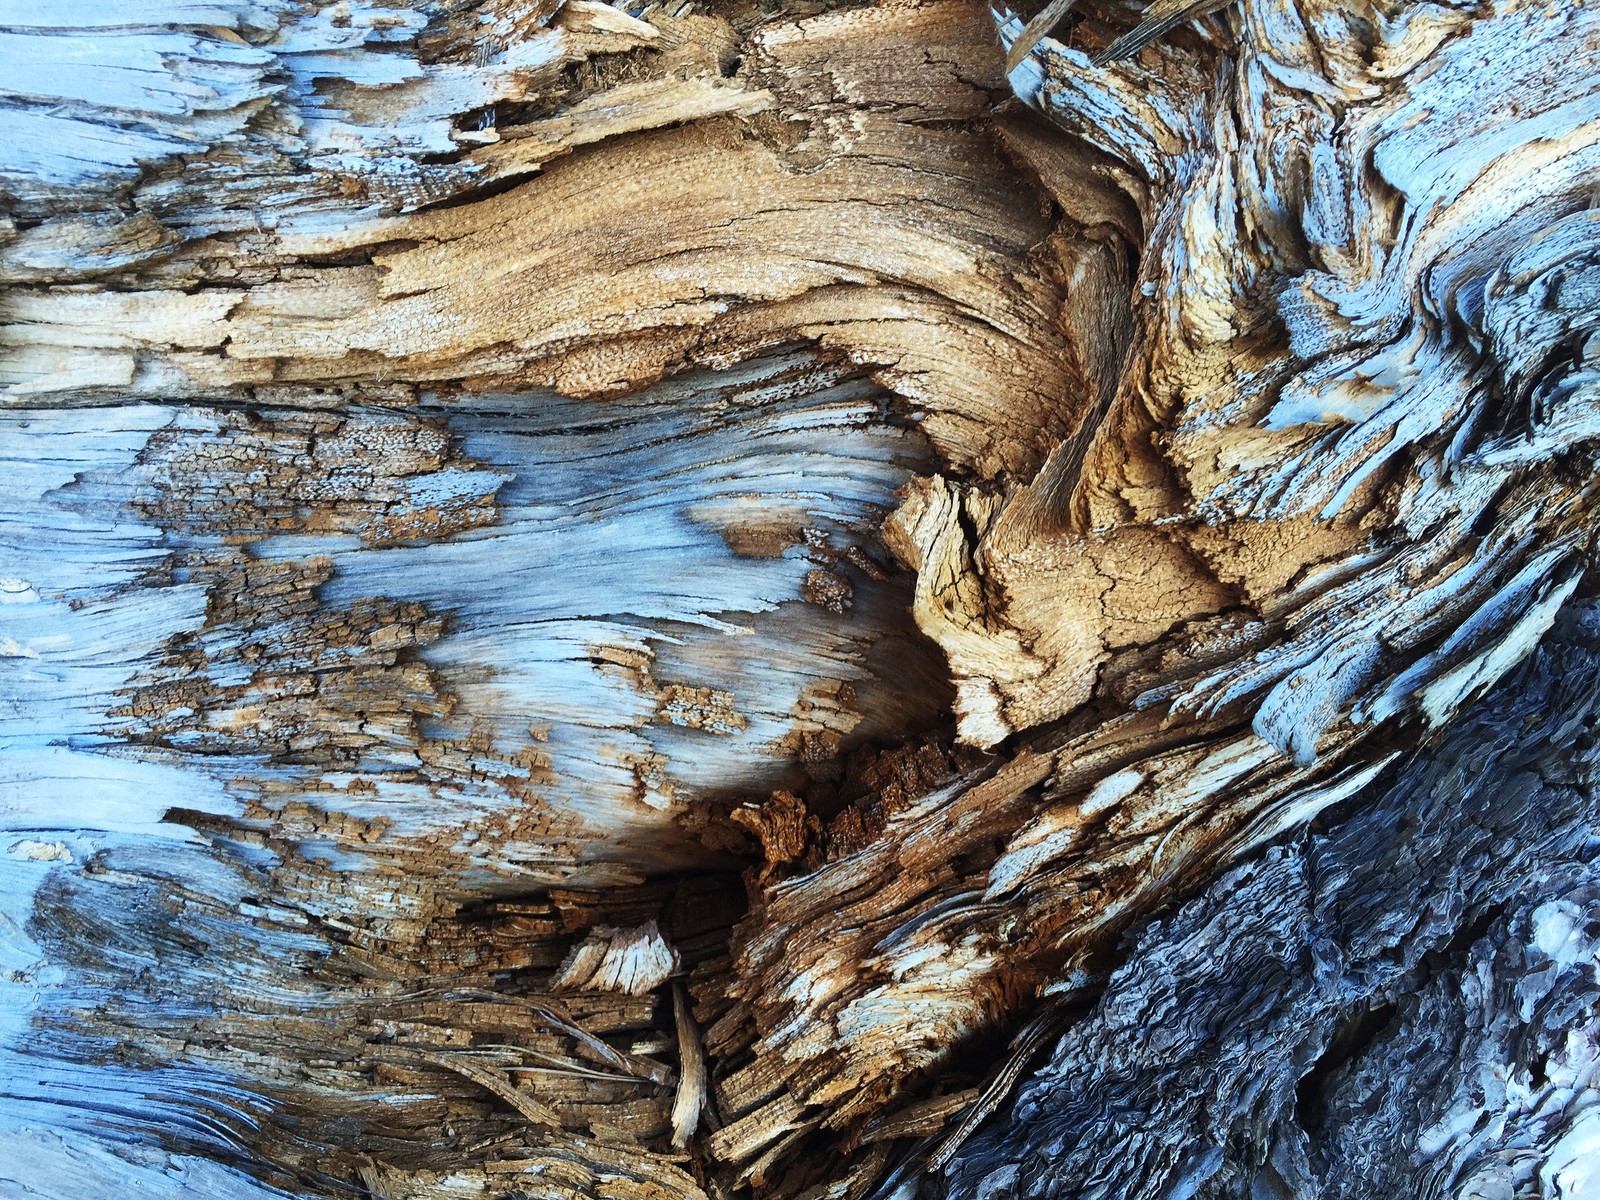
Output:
x=474 y=478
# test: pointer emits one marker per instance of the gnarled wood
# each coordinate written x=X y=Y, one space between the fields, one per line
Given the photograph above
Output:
x=479 y=477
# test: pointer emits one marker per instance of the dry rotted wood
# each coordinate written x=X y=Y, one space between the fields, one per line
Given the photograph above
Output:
x=638 y=602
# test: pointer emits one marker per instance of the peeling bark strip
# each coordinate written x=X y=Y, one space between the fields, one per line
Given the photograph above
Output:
x=652 y=603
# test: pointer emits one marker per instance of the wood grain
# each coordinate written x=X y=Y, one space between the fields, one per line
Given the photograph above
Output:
x=656 y=603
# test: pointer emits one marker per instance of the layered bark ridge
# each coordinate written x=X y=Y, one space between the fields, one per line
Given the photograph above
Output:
x=475 y=474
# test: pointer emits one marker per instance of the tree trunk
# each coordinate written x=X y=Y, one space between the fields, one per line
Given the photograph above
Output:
x=723 y=598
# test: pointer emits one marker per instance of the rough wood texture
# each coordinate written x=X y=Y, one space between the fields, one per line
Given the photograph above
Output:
x=1401 y=1005
x=478 y=478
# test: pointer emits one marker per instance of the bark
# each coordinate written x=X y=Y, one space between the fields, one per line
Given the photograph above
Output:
x=715 y=597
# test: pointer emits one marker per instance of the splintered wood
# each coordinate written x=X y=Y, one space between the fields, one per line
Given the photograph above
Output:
x=639 y=602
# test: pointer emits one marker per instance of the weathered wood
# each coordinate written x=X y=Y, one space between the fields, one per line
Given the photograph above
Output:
x=1295 y=533
x=1403 y=1004
x=479 y=477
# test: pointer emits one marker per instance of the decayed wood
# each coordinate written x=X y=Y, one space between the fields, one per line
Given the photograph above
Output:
x=1294 y=532
x=1401 y=1005
x=474 y=478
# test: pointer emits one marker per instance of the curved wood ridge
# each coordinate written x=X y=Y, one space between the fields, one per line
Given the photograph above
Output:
x=649 y=602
